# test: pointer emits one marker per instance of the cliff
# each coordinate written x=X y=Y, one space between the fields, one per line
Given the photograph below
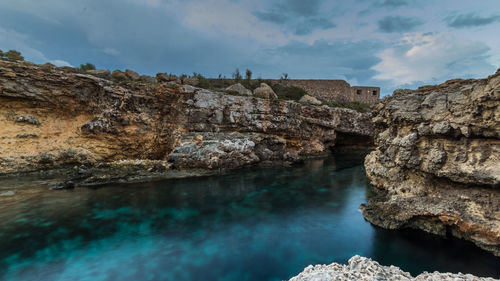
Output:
x=360 y=268
x=51 y=118
x=437 y=162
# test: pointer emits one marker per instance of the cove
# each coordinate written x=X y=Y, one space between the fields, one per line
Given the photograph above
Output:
x=256 y=223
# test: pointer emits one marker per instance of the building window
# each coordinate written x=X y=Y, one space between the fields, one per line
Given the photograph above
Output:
x=358 y=92
x=374 y=93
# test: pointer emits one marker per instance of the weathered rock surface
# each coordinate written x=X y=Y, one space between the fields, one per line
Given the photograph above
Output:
x=265 y=91
x=307 y=99
x=360 y=268
x=437 y=162
x=87 y=121
x=240 y=89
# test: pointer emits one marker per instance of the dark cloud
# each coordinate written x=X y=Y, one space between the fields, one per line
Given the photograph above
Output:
x=394 y=3
x=398 y=24
x=310 y=25
x=470 y=20
x=298 y=16
x=323 y=60
x=300 y=7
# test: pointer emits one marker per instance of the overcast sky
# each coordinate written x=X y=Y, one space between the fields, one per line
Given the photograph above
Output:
x=387 y=43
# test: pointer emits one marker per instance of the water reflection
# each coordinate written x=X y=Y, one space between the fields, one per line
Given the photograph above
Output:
x=263 y=223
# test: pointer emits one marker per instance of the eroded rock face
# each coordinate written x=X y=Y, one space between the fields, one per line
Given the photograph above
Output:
x=437 y=162
x=86 y=120
x=360 y=268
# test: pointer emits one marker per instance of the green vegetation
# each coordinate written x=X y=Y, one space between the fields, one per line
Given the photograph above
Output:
x=86 y=67
x=237 y=75
x=248 y=75
x=360 y=107
x=11 y=55
x=288 y=92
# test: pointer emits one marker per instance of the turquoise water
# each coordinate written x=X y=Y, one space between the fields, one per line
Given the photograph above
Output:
x=259 y=223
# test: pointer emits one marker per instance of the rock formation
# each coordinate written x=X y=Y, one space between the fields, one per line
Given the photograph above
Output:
x=52 y=117
x=437 y=162
x=360 y=268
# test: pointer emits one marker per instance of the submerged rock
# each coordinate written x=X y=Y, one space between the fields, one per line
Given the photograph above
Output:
x=360 y=268
x=437 y=162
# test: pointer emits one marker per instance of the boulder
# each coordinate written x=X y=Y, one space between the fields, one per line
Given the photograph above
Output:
x=132 y=75
x=307 y=99
x=30 y=119
x=265 y=91
x=240 y=89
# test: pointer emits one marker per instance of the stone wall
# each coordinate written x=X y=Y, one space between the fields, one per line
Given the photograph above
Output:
x=338 y=91
x=326 y=90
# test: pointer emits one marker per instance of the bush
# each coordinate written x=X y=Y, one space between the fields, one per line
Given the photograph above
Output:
x=288 y=92
x=13 y=55
x=248 y=75
x=237 y=75
x=86 y=67
x=360 y=107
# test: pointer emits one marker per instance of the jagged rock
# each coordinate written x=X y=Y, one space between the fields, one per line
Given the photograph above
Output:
x=97 y=125
x=30 y=119
x=240 y=89
x=265 y=92
x=132 y=75
x=307 y=99
x=118 y=75
x=436 y=166
x=360 y=268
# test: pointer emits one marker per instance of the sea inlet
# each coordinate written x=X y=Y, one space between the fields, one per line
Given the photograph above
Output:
x=255 y=223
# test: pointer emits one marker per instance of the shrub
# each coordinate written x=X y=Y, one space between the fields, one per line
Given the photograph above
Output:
x=13 y=55
x=360 y=107
x=86 y=67
x=288 y=92
x=248 y=75
x=237 y=75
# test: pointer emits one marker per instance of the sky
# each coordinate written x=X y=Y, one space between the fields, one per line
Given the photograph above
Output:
x=387 y=43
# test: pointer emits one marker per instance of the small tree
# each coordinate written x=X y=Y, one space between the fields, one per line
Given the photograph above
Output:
x=13 y=55
x=248 y=74
x=86 y=67
x=237 y=75
x=284 y=76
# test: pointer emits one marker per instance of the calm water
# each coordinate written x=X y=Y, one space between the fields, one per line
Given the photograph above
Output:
x=251 y=224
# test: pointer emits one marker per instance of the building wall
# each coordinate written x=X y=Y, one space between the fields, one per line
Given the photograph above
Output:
x=337 y=91
x=326 y=90
x=367 y=95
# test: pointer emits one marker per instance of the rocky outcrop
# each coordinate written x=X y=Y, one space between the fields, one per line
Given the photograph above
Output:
x=307 y=99
x=437 y=162
x=265 y=91
x=73 y=119
x=360 y=268
x=240 y=89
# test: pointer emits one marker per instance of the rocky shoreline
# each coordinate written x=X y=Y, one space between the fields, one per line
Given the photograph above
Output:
x=361 y=268
x=109 y=128
x=436 y=166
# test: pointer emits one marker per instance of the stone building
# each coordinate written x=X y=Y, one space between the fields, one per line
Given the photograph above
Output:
x=338 y=91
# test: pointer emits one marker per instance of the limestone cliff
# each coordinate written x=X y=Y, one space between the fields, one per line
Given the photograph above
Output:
x=437 y=162
x=52 y=118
